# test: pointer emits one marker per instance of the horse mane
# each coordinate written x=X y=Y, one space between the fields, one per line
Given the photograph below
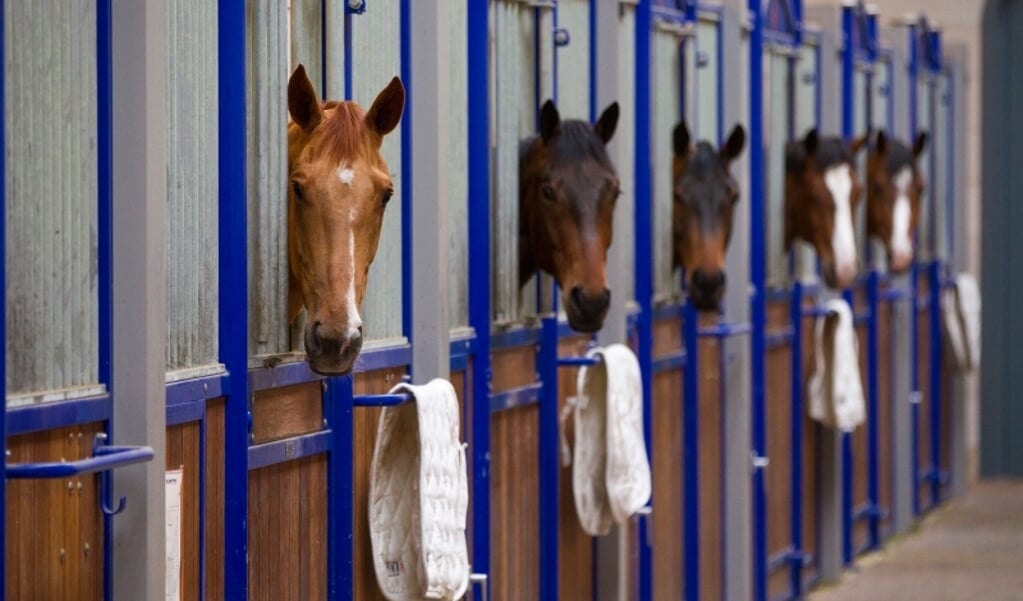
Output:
x=899 y=156
x=831 y=151
x=345 y=135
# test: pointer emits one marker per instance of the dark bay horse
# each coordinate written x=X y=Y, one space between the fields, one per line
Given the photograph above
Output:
x=894 y=188
x=704 y=195
x=339 y=186
x=567 y=193
x=822 y=191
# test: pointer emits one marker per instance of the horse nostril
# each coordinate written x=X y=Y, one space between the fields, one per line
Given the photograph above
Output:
x=576 y=294
x=708 y=280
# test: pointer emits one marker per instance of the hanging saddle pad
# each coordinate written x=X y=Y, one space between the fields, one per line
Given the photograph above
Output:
x=610 y=468
x=835 y=389
x=960 y=308
x=418 y=497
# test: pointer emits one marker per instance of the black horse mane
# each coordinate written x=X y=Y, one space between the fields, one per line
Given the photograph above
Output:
x=831 y=151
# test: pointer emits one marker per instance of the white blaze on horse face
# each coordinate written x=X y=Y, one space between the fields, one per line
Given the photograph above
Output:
x=354 y=320
x=901 y=244
x=346 y=175
x=838 y=179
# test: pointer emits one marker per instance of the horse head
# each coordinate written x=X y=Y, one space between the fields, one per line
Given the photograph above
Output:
x=894 y=189
x=568 y=189
x=822 y=190
x=704 y=199
x=339 y=186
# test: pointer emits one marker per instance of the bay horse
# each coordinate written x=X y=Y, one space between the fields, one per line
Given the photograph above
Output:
x=338 y=188
x=567 y=193
x=704 y=196
x=822 y=191
x=894 y=189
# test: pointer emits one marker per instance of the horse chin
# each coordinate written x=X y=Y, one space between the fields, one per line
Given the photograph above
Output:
x=710 y=303
x=332 y=366
x=587 y=324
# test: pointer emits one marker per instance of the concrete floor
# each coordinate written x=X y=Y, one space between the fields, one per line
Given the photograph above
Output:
x=971 y=549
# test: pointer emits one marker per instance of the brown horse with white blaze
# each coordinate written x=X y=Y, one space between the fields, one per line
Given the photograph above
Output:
x=567 y=193
x=822 y=191
x=339 y=186
x=704 y=194
x=894 y=189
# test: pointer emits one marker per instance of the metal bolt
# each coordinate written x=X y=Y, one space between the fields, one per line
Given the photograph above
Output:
x=87 y=549
x=562 y=37
x=356 y=4
x=62 y=555
x=205 y=387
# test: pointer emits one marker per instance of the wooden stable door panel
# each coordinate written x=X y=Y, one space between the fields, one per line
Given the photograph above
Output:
x=54 y=527
x=183 y=452
x=710 y=429
x=811 y=459
x=884 y=413
x=924 y=408
x=778 y=476
x=288 y=531
x=860 y=453
x=666 y=463
x=215 y=487
x=288 y=411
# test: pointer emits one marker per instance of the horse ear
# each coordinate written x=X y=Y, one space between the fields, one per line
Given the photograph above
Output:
x=680 y=139
x=303 y=103
x=859 y=143
x=386 y=111
x=550 y=121
x=733 y=146
x=919 y=144
x=881 y=142
x=605 y=126
x=810 y=142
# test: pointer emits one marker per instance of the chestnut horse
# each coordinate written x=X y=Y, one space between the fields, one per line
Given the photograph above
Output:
x=822 y=191
x=567 y=193
x=704 y=195
x=894 y=188
x=339 y=186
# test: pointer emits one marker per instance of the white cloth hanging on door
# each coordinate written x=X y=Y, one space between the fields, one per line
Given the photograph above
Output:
x=835 y=389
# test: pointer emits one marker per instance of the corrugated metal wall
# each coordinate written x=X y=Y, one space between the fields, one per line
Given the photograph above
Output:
x=573 y=66
x=860 y=126
x=706 y=122
x=625 y=136
x=776 y=132
x=51 y=195
x=192 y=184
x=942 y=150
x=667 y=110
x=376 y=49
x=925 y=122
x=806 y=118
x=881 y=97
x=458 y=170
x=267 y=116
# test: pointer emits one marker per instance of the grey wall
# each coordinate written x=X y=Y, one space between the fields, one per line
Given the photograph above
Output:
x=1002 y=246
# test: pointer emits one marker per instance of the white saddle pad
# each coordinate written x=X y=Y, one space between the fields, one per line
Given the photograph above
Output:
x=418 y=497
x=611 y=471
x=835 y=390
x=960 y=308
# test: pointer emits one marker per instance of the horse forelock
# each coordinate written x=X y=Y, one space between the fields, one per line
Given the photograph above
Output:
x=343 y=133
x=898 y=157
x=831 y=151
x=576 y=141
x=704 y=160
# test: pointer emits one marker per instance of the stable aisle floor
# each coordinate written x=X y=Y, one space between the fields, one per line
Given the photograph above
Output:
x=971 y=549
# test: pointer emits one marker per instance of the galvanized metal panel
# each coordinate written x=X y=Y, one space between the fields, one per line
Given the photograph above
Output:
x=925 y=122
x=192 y=184
x=458 y=170
x=860 y=126
x=667 y=110
x=625 y=136
x=51 y=194
x=880 y=95
x=573 y=65
x=705 y=125
x=305 y=38
x=376 y=58
x=942 y=165
x=776 y=134
x=267 y=117
x=805 y=118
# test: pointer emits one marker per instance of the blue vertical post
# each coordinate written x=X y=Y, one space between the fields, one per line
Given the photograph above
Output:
x=337 y=412
x=3 y=309
x=233 y=286
x=479 y=275
x=934 y=306
x=643 y=256
x=406 y=172
x=758 y=306
x=848 y=120
x=691 y=452
x=873 y=412
x=796 y=383
x=914 y=276
x=550 y=498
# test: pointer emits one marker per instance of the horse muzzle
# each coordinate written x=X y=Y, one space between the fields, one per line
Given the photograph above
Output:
x=706 y=289
x=586 y=312
x=332 y=354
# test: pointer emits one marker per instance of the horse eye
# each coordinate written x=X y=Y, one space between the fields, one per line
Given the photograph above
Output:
x=388 y=193
x=548 y=192
x=297 y=189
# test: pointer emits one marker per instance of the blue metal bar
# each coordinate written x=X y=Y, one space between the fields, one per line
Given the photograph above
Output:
x=518 y=336
x=197 y=389
x=183 y=413
x=3 y=303
x=873 y=407
x=233 y=286
x=796 y=383
x=669 y=362
x=779 y=337
x=691 y=454
x=914 y=275
x=337 y=413
x=847 y=494
x=381 y=400
x=758 y=307
x=49 y=416
x=298 y=372
x=479 y=272
x=724 y=330
x=578 y=361
x=349 y=92
x=643 y=257
x=105 y=459
x=515 y=397
x=289 y=449
x=407 y=193
x=934 y=333
x=550 y=497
